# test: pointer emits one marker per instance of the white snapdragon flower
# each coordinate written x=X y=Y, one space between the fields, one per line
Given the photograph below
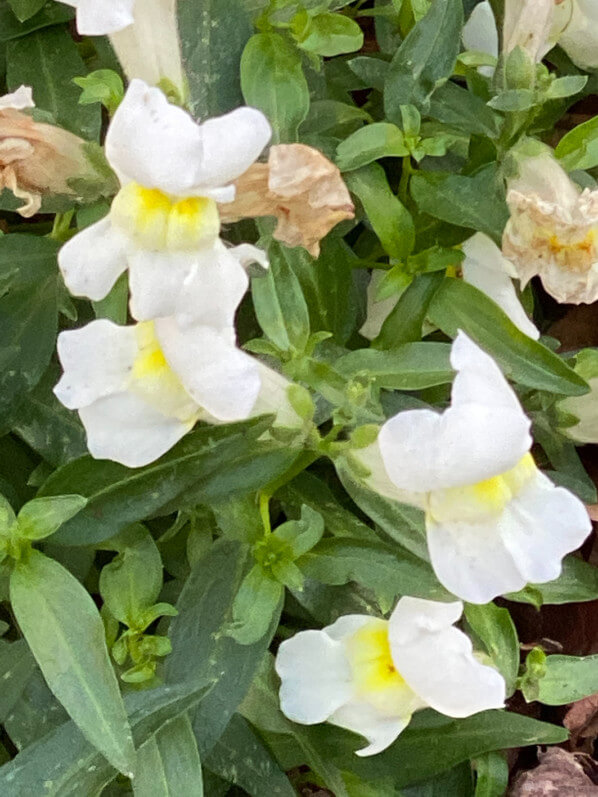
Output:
x=484 y=267
x=139 y=389
x=580 y=37
x=164 y=224
x=494 y=522
x=553 y=229
x=530 y=24
x=370 y=675
x=144 y=34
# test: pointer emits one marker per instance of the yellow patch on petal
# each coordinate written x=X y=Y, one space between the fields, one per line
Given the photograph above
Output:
x=488 y=497
x=153 y=379
x=577 y=255
x=375 y=676
x=160 y=222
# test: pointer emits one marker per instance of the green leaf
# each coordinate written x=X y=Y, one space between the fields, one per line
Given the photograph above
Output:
x=25 y=9
x=48 y=60
x=272 y=80
x=578 y=149
x=104 y=86
x=241 y=757
x=370 y=143
x=463 y=110
x=50 y=14
x=493 y=775
x=433 y=744
x=259 y=598
x=403 y=524
x=425 y=59
x=51 y=430
x=495 y=629
x=63 y=628
x=304 y=533
x=330 y=34
x=458 y=305
x=410 y=366
x=578 y=583
x=567 y=679
x=131 y=583
x=477 y=202
x=17 y=665
x=201 y=649
x=28 y=314
x=566 y=86
x=43 y=516
x=207 y=466
x=43 y=767
x=404 y=323
x=390 y=219
x=279 y=303
x=213 y=34
x=386 y=570
x=513 y=100
x=168 y=763
x=332 y=294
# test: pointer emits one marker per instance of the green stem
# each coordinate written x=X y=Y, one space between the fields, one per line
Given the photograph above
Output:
x=406 y=172
x=60 y=228
x=303 y=461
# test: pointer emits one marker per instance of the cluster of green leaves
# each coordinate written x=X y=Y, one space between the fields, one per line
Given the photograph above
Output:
x=233 y=540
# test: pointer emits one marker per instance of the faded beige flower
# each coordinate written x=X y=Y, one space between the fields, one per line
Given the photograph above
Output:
x=529 y=24
x=553 y=230
x=35 y=158
x=298 y=185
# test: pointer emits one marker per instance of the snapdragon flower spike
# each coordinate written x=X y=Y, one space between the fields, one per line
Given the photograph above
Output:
x=164 y=224
x=553 y=230
x=139 y=389
x=484 y=267
x=494 y=522
x=144 y=34
x=370 y=675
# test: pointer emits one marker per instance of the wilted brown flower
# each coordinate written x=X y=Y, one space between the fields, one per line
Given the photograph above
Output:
x=36 y=158
x=298 y=185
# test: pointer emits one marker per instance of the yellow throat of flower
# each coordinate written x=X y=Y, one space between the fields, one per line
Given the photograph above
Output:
x=155 y=382
x=577 y=256
x=488 y=497
x=375 y=676
x=160 y=222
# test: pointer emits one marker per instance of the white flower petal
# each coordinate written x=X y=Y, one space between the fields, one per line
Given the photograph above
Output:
x=273 y=398
x=219 y=377
x=124 y=428
x=92 y=260
x=97 y=361
x=154 y=143
x=580 y=38
x=203 y=288
x=377 y=311
x=437 y=659
x=315 y=675
x=247 y=254
x=489 y=271
x=231 y=143
x=484 y=433
x=347 y=625
x=542 y=524
x=479 y=32
x=100 y=17
x=379 y=481
x=471 y=560
x=19 y=100
x=366 y=720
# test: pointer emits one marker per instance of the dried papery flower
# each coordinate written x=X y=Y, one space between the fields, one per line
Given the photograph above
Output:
x=553 y=230
x=36 y=159
x=298 y=185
